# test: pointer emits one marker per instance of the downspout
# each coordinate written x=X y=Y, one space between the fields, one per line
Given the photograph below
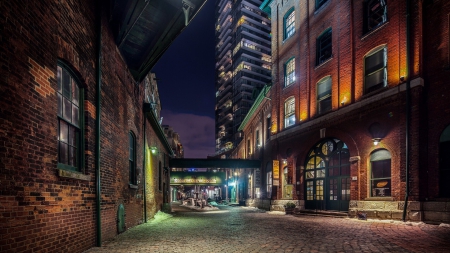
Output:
x=97 y=123
x=408 y=107
x=143 y=173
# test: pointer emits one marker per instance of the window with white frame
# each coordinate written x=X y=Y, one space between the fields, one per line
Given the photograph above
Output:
x=70 y=118
x=375 y=70
x=289 y=72
x=324 y=95
x=269 y=184
x=289 y=112
x=289 y=24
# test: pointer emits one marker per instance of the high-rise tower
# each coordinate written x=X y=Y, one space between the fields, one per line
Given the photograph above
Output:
x=243 y=65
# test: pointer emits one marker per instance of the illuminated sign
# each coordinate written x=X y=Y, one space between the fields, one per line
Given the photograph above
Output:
x=276 y=169
x=197 y=178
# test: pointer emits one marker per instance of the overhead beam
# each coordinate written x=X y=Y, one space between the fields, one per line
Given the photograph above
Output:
x=213 y=163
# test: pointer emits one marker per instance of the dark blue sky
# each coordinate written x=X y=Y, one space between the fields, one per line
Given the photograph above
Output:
x=185 y=76
x=186 y=70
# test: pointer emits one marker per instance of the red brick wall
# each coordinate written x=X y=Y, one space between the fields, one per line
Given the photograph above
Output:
x=346 y=68
x=436 y=77
x=40 y=210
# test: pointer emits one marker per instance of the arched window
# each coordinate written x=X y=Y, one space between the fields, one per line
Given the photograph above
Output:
x=289 y=24
x=70 y=120
x=289 y=112
x=444 y=163
x=132 y=158
x=380 y=173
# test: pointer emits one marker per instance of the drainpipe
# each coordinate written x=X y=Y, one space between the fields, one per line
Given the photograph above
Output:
x=143 y=174
x=408 y=107
x=97 y=123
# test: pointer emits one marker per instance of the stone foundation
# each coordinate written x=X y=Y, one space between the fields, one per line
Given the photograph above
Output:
x=437 y=212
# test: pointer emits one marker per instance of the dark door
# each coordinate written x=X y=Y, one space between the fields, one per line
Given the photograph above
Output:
x=327 y=175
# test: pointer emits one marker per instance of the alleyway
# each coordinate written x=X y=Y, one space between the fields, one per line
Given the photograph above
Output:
x=241 y=229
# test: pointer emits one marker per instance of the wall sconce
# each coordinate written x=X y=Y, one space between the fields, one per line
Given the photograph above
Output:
x=376 y=141
x=154 y=150
x=284 y=161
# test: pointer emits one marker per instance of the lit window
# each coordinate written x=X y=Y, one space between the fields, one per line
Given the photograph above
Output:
x=132 y=158
x=375 y=14
x=375 y=72
x=70 y=118
x=257 y=139
x=380 y=176
x=324 y=95
x=289 y=23
x=324 y=49
x=289 y=72
x=289 y=112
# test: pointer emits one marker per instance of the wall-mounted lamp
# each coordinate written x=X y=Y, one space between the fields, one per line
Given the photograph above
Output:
x=376 y=141
x=284 y=161
x=154 y=150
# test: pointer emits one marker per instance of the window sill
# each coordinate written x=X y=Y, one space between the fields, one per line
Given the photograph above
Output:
x=132 y=186
x=323 y=63
x=324 y=5
x=284 y=40
x=368 y=33
x=379 y=199
x=73 y=175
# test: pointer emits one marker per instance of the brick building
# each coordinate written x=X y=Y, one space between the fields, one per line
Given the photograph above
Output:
x=77 y=122
x=359 y=118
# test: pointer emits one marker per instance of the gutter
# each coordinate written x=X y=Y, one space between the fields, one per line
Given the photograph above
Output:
x=143 y=174
x=408 y=106
x=98 y=103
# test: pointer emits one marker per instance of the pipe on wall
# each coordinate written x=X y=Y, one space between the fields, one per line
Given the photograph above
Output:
x=97 y=124
x=143 y=173
x=408 y=107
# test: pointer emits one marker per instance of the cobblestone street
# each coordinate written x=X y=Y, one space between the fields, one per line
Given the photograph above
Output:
x=243 y=229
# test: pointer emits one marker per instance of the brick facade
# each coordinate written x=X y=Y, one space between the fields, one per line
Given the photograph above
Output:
x=354 y=111
x=43 y=208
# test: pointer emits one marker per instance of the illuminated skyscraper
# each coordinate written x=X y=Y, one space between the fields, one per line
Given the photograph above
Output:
x=243 y=65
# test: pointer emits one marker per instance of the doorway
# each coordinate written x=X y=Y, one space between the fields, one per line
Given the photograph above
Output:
x=327 y=176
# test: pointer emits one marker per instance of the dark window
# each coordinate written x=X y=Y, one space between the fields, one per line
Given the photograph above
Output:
x=132 y=158
x=69 y=120
x=375 y=71
x=257 y=139
x=324 y=95
x=160 y=176
x=248 y=147
x=324 y=47
x=375 y=14
x=269 y=127
x=380 y=176
x=289 y=23
x=319 y=3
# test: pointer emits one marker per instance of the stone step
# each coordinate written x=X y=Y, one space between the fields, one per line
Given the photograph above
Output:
x=323 y=213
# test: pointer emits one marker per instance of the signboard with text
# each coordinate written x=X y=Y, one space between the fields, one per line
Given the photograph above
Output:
x=197 y=178
x=276 y=169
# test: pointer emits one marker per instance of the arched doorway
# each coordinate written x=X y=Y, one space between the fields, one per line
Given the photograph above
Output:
x=327 y=176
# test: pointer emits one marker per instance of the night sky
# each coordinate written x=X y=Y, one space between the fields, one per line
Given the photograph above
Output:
x=186 y=76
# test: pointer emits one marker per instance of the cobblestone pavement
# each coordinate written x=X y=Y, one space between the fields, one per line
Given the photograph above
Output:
x=243 y=229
